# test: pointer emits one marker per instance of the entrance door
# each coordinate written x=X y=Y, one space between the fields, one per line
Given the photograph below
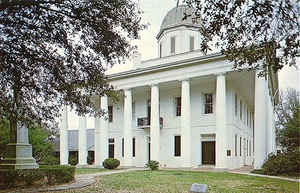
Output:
x=208 y=152
x=149 y=149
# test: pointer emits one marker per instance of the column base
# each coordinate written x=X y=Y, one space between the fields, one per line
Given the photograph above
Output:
x=18 y=156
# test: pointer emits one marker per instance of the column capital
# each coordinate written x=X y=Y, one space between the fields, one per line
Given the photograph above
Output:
x=154 y=85
x=221 y=74
x=127 y=89
x=184 y=79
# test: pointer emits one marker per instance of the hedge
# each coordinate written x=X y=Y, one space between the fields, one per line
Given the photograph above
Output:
x=54 y=174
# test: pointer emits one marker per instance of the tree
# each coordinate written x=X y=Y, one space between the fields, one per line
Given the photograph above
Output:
x=287 y=106
x=253 y=34
x=53 y=52
x=288 y=120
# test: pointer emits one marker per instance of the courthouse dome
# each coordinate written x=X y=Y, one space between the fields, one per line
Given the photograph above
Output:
x=174 y=18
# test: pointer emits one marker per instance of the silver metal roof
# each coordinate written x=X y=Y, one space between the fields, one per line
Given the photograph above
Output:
x=175 y=17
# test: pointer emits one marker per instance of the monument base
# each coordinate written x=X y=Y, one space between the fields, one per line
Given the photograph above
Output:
x=18 y=156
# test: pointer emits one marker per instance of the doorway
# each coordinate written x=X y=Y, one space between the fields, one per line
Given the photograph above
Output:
x=208 y=152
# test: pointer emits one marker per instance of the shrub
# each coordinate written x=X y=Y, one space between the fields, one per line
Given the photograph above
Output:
x=73 y=159
x=282 y=164
x=153 y=165
x=111 y=163
x=58 y=174
x=54 y=175
x=50 y=160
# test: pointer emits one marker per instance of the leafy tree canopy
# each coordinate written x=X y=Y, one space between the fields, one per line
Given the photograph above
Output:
x=253 y=34
x=53 y=52
x=288 y=120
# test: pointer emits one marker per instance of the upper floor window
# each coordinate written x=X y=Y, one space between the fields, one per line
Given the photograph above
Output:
x=192 y=43
x=235 y=105
x=235 y=145
x=110 y=113
x=173 y=45
x=178 y=106
x=208 y=104
x=247 y=118
x=241 y=110
x=133 y=109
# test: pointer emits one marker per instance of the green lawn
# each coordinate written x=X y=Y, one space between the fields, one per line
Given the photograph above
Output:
x=89 y=170
x=180 y=181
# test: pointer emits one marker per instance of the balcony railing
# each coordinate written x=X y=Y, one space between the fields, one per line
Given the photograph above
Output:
x=144 y=122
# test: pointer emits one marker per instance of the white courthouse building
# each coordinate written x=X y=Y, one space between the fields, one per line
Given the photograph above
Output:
x=183 y=109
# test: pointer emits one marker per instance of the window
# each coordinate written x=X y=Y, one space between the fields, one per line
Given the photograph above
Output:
x=208 y=104
x=122 y=147
x=192 y=43
x=160 y=50
x=133 y=109
x=110 y=113
x=235 y=105
x=133 y=147
x=250 y=147
x=172 y=45
x=235 y=145
x=247 y=118
x=240 y=146
x=177 y=146
x=178 y=106
x=247 y=148
x=111 y=148
x=241 y=110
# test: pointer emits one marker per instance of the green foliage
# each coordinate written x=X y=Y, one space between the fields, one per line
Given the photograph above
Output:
x=111 y=163
x=249 y=33
x=42 y=147
x=50 y=160
x=58 y=174
x=283 y=164
x=73 y=159
x=289 y=136
x=59 y=59
x=54 y=175
x=4 y=135
x=153 y=165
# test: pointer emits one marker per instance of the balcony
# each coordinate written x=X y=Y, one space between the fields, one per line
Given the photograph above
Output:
x=143 y=123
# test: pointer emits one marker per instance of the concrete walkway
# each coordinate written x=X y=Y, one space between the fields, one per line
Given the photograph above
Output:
x=247 y=169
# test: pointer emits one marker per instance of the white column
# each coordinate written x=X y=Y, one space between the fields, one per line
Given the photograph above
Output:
x=64 y=150
x=128 y=128
x=259 y=122
x=101 y=130
x=82 y=143
x=270 y=127
x=221 y=129
x=186 y=137
x=155 y=126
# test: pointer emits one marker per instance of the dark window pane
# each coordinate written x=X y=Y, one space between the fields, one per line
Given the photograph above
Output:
x=133 y=147
x=208 y=108
x=122 y=147
x=111 y=150
x=110 y=113
x=178 y=106
x=177 y=145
